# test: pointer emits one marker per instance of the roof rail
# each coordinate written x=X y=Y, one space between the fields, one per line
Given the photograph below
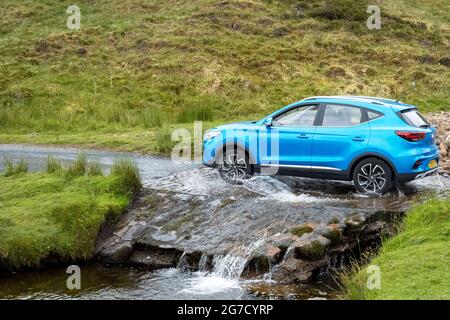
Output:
x=378 y=101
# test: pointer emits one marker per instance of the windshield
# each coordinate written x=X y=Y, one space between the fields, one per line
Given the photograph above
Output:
x=414 y=118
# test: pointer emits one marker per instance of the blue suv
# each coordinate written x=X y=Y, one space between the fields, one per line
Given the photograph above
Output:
x=375 y=142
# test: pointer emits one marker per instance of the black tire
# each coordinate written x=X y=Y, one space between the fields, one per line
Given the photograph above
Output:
x=234 y=166
x=372 y=176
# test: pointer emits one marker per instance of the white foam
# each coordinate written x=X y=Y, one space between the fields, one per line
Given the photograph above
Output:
x=209 y=284
x=271 y=188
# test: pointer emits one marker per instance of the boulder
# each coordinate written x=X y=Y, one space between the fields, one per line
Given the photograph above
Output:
x=156 y=257
x=354 y=222
x=302 y=229
x=264 y=257
x=116 y=254
x=332 y=232
x=293 y=270
x=283 y=240
x=310 y=246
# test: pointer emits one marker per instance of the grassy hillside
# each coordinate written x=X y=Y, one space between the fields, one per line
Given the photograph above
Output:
x=138 y=65
x=415 y=264
x=59 y=213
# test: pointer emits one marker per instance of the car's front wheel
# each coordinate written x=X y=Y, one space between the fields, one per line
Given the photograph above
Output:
x=372 y=176
x=234 y=166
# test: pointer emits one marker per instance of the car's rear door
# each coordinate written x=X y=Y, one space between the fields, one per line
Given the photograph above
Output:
x=342 y=133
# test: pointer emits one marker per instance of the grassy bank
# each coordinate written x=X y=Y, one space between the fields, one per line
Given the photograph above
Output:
x=415 y=264
x=137 y=66
x=59 y=212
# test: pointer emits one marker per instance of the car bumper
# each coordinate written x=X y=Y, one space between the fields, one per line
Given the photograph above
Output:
x=415 y=176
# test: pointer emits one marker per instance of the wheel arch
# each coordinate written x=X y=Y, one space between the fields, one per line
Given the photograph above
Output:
x=238 y=146
x=358 y=159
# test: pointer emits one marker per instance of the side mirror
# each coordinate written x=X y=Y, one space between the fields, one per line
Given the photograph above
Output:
x=268 y=122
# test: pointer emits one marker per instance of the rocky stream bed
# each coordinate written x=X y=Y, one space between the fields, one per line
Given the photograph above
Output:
x=190 y=235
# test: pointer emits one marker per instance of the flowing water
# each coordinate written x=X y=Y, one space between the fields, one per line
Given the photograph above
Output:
x=198 y=211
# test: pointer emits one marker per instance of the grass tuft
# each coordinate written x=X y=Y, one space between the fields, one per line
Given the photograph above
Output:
x=94 y=168
x=79 y=167
x=53 y=165
x=164 y=143
x=11 y=168
x=128 y=172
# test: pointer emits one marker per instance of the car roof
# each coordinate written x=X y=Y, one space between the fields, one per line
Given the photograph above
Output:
x=376 y=101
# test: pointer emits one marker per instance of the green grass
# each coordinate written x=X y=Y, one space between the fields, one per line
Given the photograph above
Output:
x=12 y=168
x=150 y=64
x=60 y=213
x=415 y=264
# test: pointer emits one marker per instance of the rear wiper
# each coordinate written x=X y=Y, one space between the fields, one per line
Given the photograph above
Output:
x=426 y=126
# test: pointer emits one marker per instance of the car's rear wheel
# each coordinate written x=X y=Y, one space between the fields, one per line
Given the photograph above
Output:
x=235 y=166
x=372 y=176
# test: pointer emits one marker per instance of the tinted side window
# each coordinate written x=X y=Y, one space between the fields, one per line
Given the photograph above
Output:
x=300 y=116
x=341 y=116
x=373 y=114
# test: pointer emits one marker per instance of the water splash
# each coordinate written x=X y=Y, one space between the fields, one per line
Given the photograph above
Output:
x=269 y=187
x=183 y=263
x=203 y=263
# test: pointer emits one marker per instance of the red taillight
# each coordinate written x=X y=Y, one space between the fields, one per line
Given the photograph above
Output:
x=411 y=136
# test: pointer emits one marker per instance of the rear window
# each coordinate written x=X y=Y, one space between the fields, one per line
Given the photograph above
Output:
x=414 y=118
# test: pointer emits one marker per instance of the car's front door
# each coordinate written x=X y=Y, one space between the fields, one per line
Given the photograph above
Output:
x=291 y=136
x=342 y=134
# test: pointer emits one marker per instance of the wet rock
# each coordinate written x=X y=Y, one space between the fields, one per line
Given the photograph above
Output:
x=334 y=220
x=156 y=257
x=302 y=229
x=293 y=270
x=354 y=222
x=332 y=232
x=264 y=257
x=283 y=240
x=190 y=261
x=310 y=246
x=117 y=254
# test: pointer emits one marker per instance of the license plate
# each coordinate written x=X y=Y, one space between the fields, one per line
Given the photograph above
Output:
x=433 y=164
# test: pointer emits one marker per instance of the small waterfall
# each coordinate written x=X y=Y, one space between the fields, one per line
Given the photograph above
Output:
x=231 y=265
x=183 y=263
x=203 y=263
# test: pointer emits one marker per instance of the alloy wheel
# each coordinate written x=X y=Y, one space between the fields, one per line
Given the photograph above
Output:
x=234 y=167
x=372 y=178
